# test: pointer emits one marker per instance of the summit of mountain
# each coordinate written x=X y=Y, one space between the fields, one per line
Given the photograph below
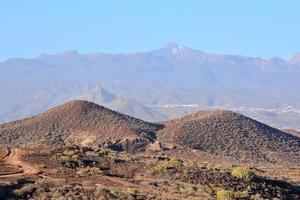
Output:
x=226 y=133
x=76 y=122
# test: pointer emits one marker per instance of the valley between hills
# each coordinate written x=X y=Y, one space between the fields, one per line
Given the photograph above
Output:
x=81 y=150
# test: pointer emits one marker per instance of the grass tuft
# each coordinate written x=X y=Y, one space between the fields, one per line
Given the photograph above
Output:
x=243 y=173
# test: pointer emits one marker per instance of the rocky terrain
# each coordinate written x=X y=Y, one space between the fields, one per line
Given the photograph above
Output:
x=218 y=133
x=80 y=150
x=77 y=122
x=74 y=172
x=230 y=134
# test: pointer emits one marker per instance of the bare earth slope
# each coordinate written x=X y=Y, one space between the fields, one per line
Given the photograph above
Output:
x=226 y=133
x=76 y=121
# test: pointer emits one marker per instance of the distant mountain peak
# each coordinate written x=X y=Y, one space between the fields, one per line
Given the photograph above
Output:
x=99 y=95
x=174 y=49
x=130 y=107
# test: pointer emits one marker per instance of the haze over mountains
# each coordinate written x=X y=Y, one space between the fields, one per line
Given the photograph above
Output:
x=164 y=83
x=130 y=107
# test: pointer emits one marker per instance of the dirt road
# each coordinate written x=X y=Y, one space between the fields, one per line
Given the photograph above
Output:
x=14 y=158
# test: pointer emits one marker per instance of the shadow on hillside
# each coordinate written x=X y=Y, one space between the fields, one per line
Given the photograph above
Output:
x=289 y=190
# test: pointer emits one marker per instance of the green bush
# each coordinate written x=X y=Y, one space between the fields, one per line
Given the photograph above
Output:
x=82 y=171
x=91 y=154
x=75 y=157
x=192 y=165
x=132 y=191
x=95 y=170
x=126 y=157
x=225 y=195
x=68 y=156
x=69 y=152
x=243 y=173
x=204 y=165
x=89 y=170
x=170 y=164
x=114 y=192
x=65 y=158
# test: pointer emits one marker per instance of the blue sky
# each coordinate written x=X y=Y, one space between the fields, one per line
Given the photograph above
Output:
x=257 y=28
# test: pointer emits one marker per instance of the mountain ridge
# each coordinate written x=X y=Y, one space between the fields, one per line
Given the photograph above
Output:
x=167 y=47
x=188 y=77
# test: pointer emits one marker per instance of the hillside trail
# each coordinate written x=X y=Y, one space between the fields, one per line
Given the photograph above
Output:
x=14 y=158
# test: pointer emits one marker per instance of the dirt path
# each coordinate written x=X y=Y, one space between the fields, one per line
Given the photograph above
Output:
x=14 y=158
x=4 y=153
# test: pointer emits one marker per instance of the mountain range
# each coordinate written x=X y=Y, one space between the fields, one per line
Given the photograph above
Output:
x=164 y=83
x=130 y=107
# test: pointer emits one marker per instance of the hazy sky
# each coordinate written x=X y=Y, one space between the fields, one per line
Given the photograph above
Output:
x=257 y=28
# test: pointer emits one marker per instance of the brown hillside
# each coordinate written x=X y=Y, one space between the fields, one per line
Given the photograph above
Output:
x=229 y=134
x=77 y=122
x=221 y=133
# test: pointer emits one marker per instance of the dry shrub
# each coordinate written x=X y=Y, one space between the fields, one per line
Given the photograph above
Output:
x=243 y=173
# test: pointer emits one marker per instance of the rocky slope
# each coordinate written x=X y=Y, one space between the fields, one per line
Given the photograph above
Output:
x=230 y=134
x=216 y=133
x=77 y=122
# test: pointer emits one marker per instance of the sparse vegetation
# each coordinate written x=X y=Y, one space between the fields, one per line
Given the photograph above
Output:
x=114 y=192
x=132 y=191
x=192 y=165
x=68 y=156
x=91 y=153
x=126 y=157
x=169 y=164
x=231 y=135
x=225 y=195
x=88 y=170
x=243 y=173
x=96 y=171
x=88 y=120
x=110 y=176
